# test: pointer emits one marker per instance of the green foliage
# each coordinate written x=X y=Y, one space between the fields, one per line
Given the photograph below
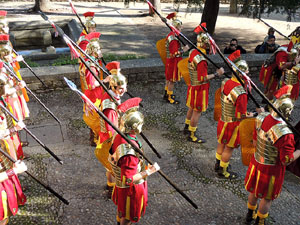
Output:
x=112 y=57
x=29 y=62
x=256 y=7
x=64 y=60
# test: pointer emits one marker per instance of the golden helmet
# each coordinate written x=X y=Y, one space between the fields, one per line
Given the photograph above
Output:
x=243 y=66
x=132 y=120
x=5 y=48
x=292 y=54
x=3 y=22
x=283 y=102
x=176 y=22
x=202 y=39
x=117 y=80
x=94 y=43
x=90 y=23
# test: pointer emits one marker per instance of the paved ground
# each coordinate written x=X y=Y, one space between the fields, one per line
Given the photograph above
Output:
x=131 y=31
x=81 y=179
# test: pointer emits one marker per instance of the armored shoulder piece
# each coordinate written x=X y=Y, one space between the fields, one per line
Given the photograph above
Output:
x=108 y=104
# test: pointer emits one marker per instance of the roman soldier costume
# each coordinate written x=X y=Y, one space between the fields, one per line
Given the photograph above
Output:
x=198 y=88
x=90 y=24
x=275 y=147
x=174 y=55
x=93 y=49
x=234 y=108
x=272 y=69
x=129 y=168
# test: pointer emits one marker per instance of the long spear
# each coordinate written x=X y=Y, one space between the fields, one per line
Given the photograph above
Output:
x=75 y=89
x=26 y=64
x=68 y=42
x=64 y=36
x=74 y=11
x=39 y=101
x=179 y=34
x=82 y=24
x=273 y=28
x=32 y=135
x=37 y=180
x=227 y=62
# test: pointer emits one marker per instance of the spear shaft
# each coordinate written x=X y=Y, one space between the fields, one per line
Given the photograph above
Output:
x=39 y=101
x=273 y=28
x=37 y=180
x=33 y=136
x=204 y=55
x=138 y=150
x=31 y=70
x=74 y=11
x=257 y=90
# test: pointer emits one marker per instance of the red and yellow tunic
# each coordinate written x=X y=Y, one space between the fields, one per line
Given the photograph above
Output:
x=197 y=94
x=173 y=48
x=109 y=108
x=269 y=75
x=11 y=191
x=265 y=179
x=131 y=198
x=87 y=80
x=232 y=112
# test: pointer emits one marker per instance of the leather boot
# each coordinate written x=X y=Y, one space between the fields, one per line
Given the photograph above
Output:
x=217 y=165
x=225 y=172
x=250 y=217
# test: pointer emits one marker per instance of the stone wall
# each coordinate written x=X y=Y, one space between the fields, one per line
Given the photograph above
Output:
x=139 y=70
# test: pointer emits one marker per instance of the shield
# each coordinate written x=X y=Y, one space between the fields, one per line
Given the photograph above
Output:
x=218 y=107
x=161 y=48
x=102 y=153
x=246 y=129
x=183 y=70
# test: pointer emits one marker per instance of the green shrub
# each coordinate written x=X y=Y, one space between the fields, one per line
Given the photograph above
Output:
x=30 y=63
x=64 y=60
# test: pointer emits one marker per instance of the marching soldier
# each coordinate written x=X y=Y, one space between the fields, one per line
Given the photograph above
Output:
x=118 y=85
x=234 y=108
x=292 y=77
x=270 y=74
x=4 y=29
x=275 y=149
x=198 y=90
x=10 y=187
x=93 y=49
x=130 y=193
x=90 y=24
x=174 y=55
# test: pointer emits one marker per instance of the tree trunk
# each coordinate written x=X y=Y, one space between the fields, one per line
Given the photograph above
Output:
x=157 y=6
x=41 y=5
x=210 y=14
x=233 y=7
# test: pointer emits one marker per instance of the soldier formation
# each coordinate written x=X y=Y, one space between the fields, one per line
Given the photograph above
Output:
x=273 y=140
x=114 y=124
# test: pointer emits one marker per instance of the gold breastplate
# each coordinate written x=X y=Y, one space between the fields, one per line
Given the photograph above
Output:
x=228 y=102
x=106 y=104
x=123 y=150
x=291 y=76
x=192 y=66
x=266 y=153
x=168 y=41
x=5 y=163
